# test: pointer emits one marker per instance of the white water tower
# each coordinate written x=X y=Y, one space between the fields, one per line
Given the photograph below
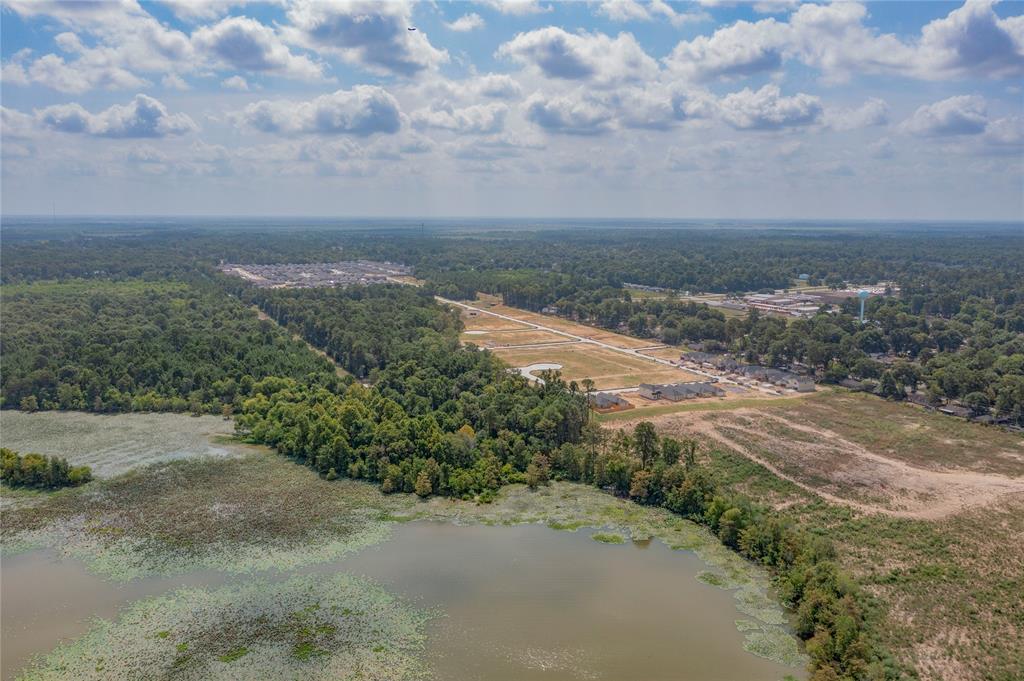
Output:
x=863 y=295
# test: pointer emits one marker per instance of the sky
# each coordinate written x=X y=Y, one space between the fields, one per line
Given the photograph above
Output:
x=515 y=108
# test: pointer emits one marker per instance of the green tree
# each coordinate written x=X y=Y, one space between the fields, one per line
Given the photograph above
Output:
x=423 y=486
x=645 y=443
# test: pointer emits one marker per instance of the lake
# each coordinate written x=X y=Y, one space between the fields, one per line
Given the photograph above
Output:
x=517 y=603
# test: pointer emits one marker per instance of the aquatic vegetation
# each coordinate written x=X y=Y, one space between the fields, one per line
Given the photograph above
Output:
x=111 y=444
x=311 y=627
x=262 y=512
x=608 y=538
x=232 y=515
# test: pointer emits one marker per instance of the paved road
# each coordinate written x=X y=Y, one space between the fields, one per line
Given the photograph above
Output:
x=606 y=346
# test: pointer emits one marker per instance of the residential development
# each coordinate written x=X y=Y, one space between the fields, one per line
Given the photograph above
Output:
x=318 y=275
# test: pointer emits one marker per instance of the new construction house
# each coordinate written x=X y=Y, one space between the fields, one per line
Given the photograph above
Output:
x=675 y=392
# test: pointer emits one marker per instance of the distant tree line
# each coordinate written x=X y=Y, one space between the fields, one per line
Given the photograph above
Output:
x=36 y=471
x=140 y=346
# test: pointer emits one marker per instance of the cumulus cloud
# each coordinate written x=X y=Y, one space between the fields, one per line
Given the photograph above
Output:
x=740 y=50
x=768 y=109
x=466 y=23
x=964 y=115
x=374 y=35
x=874 y=111
x=90 y=72
x=569 y=115
x=594 y=57
x=235 y=83
x=142 y=117
x=497 y=86
x=972 y=41
x=362 y=111
x=516 y=7
x=479 y=119
x=246 y=44
x=654 y=10
x=173 y=81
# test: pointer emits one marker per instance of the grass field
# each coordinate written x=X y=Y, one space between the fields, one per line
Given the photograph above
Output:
x=486 y=322
x=513 y=337
x=607 y=368
x=926 y=511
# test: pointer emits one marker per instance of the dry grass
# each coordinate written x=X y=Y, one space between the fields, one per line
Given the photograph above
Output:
x=607 y=368
x=486 y=322
x=513 y=338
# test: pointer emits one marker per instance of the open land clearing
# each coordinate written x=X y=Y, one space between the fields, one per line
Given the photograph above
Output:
x=613 y=361
x=608 y=369
x=926 y=511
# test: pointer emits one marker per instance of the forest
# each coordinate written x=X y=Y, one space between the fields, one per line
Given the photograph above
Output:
x=139 y=346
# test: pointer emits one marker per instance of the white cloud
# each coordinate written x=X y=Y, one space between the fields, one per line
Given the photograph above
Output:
x=740 y=50
x=362 y=111
x=246 y=44
x=964 y=115
x=874 y=111
x=516 y=7
x=654 y=10
x=204 y=10
x=716 y=156
x=497 y=86
x=143 y=117
x=593 y=57
x=466 y=23
x=374 y=35
x=479 y=119
x=973 y=41
x=173 y=81
x=767 y=109
x=570 y=115
x=235 y=83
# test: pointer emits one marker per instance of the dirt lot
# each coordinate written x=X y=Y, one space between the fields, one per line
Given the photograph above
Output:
x=607 y=368
x=868 y=454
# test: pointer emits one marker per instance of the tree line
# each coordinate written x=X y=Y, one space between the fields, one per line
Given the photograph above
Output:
x=36 y=471
x=140 y=346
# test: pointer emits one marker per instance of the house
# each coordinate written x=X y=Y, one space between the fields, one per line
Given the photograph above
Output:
x=801 y=384
x=675 y=392
x=607 y=402
x=851 y=384
x=955 y=410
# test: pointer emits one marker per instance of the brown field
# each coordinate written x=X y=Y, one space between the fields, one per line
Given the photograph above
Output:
x=486 y=322
x=669 y=352
x=926 y=512
x=514 y=337
x=869 y=454
x=607 y=368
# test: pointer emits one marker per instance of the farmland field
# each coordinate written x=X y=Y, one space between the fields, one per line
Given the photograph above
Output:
x=607 y=368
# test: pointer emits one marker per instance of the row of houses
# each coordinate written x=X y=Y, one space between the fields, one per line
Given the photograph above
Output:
x=675 y=392
x=778 y=377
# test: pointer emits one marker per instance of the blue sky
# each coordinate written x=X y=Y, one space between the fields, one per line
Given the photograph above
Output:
x=767 y=109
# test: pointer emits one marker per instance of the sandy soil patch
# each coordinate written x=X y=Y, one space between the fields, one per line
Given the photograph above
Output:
x=838 y=469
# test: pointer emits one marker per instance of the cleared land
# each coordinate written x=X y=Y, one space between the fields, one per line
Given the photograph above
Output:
x=513 y=337
x=607 y=368
x=486 y=322
x=926 y=511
